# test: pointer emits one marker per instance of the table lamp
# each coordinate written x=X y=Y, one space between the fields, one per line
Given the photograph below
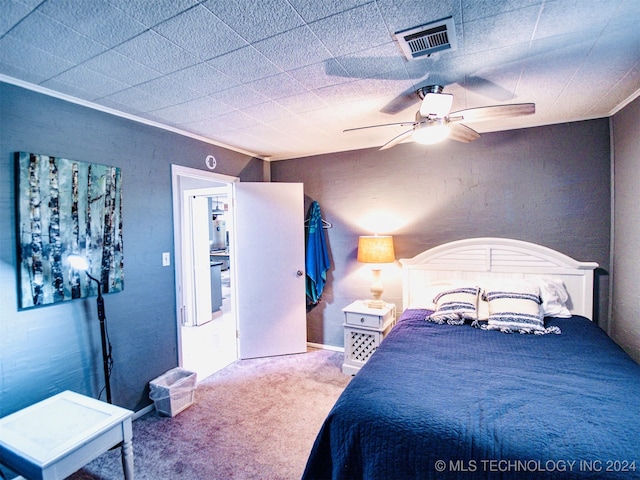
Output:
x=376 y=249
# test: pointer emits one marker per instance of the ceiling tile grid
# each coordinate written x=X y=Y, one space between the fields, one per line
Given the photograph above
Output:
x=284 y=78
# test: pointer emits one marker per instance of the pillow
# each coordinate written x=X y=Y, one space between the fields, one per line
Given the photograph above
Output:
x=516 y=310
x=554 y=297
x=455 y=306
x=431 y=291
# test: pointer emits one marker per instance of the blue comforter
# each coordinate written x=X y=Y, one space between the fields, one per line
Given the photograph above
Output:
x=443 y=401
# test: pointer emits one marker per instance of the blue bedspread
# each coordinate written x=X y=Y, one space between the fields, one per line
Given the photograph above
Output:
x=443 y=401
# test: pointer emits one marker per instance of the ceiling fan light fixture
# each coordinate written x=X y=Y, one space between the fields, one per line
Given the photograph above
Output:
x=438 y=104
x=430 y=134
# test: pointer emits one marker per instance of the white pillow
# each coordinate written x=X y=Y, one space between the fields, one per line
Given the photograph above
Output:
x=456 y=305
x=554 y=297
x=431 y=292
x=516 y=307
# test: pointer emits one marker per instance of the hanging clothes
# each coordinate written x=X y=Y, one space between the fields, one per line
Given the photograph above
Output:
x=317 y=261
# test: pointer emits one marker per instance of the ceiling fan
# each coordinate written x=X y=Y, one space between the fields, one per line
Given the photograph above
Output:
x=435 y=122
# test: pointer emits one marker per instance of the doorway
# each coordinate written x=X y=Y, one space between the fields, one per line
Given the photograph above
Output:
x=265 y=256
x=205 y=299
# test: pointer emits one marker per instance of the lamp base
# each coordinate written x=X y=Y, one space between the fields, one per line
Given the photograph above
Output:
x=375 y=303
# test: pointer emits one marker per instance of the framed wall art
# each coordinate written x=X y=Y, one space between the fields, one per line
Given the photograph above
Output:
x=67 y=207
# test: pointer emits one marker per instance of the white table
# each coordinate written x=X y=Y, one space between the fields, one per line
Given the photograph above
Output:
x=57 y=436
x=364 y=330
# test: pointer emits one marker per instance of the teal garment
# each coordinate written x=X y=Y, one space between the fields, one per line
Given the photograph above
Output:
x=317 y=256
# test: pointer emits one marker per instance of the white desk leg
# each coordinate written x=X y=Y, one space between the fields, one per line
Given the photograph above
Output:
x=127 y=459
x=127 y=449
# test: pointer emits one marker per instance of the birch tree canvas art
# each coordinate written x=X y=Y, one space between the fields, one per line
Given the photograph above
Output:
x=67 y=207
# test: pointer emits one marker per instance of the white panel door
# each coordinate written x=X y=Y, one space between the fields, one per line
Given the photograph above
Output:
x=269 y=268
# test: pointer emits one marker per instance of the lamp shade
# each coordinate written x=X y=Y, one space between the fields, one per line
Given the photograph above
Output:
x=376 y=249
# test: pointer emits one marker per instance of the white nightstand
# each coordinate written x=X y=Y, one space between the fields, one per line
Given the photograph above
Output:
x=364 y=329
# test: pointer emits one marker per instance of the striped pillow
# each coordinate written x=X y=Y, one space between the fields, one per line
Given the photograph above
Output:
x=455 y=306
x=512 y=312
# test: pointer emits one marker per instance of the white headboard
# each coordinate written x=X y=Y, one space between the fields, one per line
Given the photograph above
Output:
x=477 y=258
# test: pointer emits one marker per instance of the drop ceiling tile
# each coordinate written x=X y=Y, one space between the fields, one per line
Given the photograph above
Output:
x=87 y=80
x=203 y=78
x=612 y=70
x=253 y=20
x=352 y=31
x=245 y=65
x=501 y=58
x=156 y=52
x=193 y=111
x=228 y=122
x=319 y=75
x=12 y=12
x=573 y=16
x=303 y=102
x=342 y=93
x=55 y=38
x=30 y=4
x=294 y=49
x=112 y=103
x=245 y=139
x=28 y=63
x=312 y=10
x=266 y=112
x=583 y=62
x=405 y=14
x=240 y=97
x=476 y=9
x=97 y=19
x=383 y=61
x=152 y=13
x=622 y=93
x=134 y=98
x=331 y=115
x=380 y=87
x=278 y=86
x=172 y=93
x=119 y=67
x=502 y=30
x=69 y=89
x=200 y=33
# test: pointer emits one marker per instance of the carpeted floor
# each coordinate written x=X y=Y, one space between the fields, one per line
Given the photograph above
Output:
x=255 y=419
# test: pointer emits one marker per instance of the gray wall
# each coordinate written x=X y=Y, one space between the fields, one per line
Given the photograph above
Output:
x=547 y=185
x=625 y=323
x=49 y=349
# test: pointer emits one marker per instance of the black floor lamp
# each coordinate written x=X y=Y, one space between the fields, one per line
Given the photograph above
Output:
x=80 y=263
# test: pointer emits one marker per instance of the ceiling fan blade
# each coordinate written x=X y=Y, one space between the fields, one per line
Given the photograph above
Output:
x=406 y=99
x=438 y=104
x=396 y=140
x=462 y=133
x=487 y=88
x=376 y=126
x=494 y=112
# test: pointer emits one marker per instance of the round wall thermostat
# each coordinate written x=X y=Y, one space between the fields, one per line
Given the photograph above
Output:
x=211 y=162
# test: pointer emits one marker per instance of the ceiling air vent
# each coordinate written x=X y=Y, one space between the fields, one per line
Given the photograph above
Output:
x=426 y=39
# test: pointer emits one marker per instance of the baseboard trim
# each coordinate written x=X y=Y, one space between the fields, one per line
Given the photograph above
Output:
x=322 y=346
x=144 y=411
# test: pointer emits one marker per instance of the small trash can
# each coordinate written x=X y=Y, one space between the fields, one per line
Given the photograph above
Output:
x=173 y=391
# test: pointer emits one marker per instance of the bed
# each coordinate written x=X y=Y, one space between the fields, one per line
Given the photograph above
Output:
x=445 y=400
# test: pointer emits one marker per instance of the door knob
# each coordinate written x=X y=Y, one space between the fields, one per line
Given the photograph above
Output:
x=299 y=273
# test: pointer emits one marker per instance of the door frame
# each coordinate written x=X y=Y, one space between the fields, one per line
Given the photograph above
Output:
x=200 y=179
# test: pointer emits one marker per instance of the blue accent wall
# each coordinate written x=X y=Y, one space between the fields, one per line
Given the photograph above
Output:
x=547 y=185
x=46 y=350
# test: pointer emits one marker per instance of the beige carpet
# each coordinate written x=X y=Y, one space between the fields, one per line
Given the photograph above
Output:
x=256 y=419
